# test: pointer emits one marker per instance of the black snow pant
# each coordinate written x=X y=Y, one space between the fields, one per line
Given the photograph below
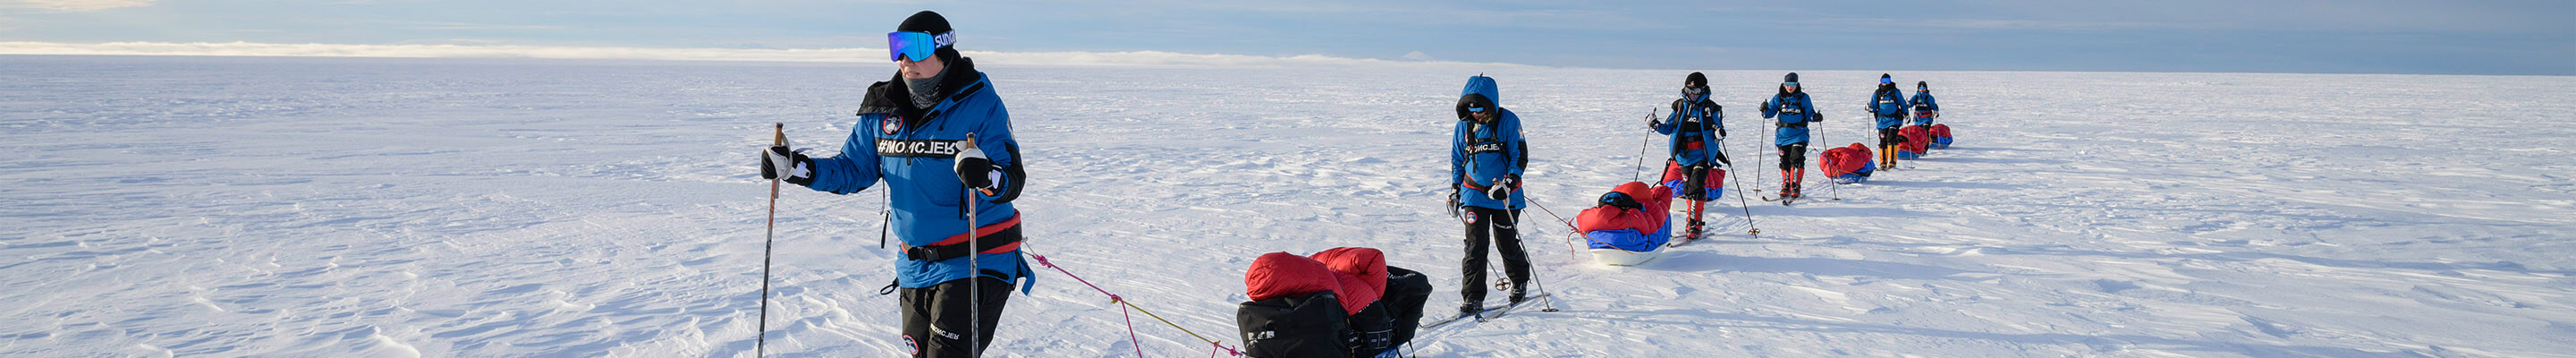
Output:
x=1793 y=156
x=1492 y=226
x=1887 y=137
x=940 y=312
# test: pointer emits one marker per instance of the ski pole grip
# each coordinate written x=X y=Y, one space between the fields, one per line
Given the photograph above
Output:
x=969 y=143
x=782 y=134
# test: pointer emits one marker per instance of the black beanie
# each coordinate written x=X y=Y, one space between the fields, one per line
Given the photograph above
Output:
x=925 y=21
x=1695 y=77
x=1882 y=75
x=1793 y=77
x=1922 y=84
x=930 y=22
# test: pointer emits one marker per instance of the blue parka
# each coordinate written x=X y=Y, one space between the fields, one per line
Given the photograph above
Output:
x=1480 y=152
x=1694 y=120
x=1924 y=99
x=1888 y=104
x=913 y=150
x=1795 y=111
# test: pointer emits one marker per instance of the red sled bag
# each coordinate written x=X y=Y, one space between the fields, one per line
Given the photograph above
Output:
x=1915 y=140
x=1940 y=136
x=1293 y=312
x=1850 y=164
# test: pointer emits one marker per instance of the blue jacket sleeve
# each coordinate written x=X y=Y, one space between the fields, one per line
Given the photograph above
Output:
x=1457 y=155
x=1771 y=108
x=1512 y=141
x=1717 y=118
x=1901 y=107
x=993 y=135
x=1810 y=107
x=853 y=170
x=1667 y=126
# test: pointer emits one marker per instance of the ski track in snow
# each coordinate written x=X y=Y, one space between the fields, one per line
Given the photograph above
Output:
x=206 y=206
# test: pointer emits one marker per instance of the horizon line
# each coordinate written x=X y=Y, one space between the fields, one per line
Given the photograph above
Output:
x=857 y=55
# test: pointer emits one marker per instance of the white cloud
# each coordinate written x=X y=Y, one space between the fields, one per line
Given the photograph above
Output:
x=1417 y=56
x=1130 y=58
x=72 y=5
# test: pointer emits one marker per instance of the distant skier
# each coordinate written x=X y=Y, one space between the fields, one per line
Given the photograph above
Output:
x=910 y=135
x=1924 y=109
x=1486 y=156
x=1696 y=126
x=1795 y=111
x=1888 y=104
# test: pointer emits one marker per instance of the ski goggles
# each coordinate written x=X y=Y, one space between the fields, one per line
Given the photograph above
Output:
x=918 y=46
x=1790 y=84
x=1885 y=80
x=1475 y=104
x=1693 y=91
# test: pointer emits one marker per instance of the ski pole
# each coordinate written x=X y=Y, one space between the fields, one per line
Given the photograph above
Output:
x=1820 y=162
x=974 y=271
x=760 y=346
x=1648 y=142
x=1740 y=202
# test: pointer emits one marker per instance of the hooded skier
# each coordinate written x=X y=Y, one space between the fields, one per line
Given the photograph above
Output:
x=1924 y=109
x=1697 y=126
x=1795 y=111
x=1888 y=104
x=1486 y=156
x=911 y=135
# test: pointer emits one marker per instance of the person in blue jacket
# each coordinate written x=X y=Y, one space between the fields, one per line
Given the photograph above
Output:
x=1486 y=156
x=1888 y=104
x=912 y=135
x=1795 y=111
x=1697 y=126
x=1924 y=109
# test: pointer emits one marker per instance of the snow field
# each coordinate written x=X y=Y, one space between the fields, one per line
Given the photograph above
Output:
x=189 y=206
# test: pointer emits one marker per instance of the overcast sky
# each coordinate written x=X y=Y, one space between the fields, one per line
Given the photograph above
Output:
x=2341 y=36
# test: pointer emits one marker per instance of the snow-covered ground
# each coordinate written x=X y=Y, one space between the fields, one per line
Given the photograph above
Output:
x=205 y=206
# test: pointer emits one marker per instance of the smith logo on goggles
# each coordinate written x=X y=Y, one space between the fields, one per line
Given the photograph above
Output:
x=918 y=147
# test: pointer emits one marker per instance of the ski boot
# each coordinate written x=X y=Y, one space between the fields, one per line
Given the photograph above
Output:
x=1471 y=308
x=1696 y=230
x=1519 y=295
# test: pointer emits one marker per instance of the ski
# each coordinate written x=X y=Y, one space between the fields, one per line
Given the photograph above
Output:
x=1484 y=314
x=1488 y=314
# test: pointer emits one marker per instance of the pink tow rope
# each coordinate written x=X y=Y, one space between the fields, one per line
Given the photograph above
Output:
x=1129 y=319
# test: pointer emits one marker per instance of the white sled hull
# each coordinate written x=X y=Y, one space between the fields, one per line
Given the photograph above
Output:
x=1617 y=257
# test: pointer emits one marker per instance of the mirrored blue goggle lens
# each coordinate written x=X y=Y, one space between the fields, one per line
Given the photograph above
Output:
x=1886 y=80
x=1475 y=109
x=1790 y=84
x=916 y=45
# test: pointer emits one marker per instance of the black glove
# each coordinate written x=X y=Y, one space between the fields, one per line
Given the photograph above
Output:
x=1653 y=124
x=1502 y=188
x=1721 y=131
x=801 y=173
x=977 y=171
